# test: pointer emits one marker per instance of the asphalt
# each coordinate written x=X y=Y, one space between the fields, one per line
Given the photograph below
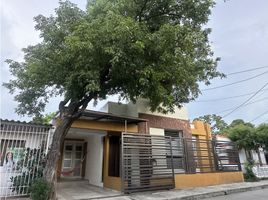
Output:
x=256 y=194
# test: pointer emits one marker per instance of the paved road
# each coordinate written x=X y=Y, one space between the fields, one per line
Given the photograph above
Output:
x=251 y=195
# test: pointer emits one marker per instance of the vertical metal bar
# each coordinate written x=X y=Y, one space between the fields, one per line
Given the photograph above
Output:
x=172 y=163
x=186 y=155
x=125 y=126
x=122 y=172
x=215 y=155
x=146 y=127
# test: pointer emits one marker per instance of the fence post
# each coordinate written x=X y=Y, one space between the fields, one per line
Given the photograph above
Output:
x=172 y=163
x=215 y=155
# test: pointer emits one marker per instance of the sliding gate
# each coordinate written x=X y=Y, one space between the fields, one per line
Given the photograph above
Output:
x=146 y=163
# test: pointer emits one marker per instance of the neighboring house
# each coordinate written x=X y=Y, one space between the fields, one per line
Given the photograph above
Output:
x=242 y=153
x=15 y=139
x=128 y=148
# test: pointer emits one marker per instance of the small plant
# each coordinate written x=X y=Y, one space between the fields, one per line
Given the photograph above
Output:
x=249 y=175
x=30 y=168
x=40 y=189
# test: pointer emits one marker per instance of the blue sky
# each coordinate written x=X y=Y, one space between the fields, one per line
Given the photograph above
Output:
x=239 y=36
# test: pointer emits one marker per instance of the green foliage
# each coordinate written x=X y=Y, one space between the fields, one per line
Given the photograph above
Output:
x=157 y=50
x=240 y=121
x=243 y=136
x=30 y=168
x=44 y=119
x=40 y=189
x=249 y=175
x=218 y=125
x=262 y=135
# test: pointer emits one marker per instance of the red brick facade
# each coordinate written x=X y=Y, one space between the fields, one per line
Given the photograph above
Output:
x=165 y=123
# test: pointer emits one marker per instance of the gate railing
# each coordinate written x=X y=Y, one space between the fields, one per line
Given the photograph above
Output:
x=144 y=163
x=149 y=162
x=23 y=147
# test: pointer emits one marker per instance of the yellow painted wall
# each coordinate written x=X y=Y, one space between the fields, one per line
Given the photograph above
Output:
x=202 y=131
x=183 y=181
x=104 y=126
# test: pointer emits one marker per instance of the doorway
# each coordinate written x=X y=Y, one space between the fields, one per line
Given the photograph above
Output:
x=72 y=159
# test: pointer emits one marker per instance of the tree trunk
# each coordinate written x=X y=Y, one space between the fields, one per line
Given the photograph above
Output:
x=259 y=156
x=50 y=172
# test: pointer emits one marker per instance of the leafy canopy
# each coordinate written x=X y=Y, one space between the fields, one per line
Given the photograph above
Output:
x=243 y=136
x=218 y=125
x=158 y=50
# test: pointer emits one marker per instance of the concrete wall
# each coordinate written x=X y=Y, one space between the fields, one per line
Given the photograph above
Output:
x=94 y=160
x=179 y=113
x=183 y=181
x=141 y=106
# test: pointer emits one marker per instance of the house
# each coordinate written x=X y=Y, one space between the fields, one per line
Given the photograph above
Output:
x=128 y=148
x=243 y=155
x=20 y=143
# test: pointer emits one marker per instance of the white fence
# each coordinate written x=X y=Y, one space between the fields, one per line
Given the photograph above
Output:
x=23 y=148
x=260 y=171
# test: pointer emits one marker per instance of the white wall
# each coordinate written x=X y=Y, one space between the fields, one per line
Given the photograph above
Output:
x=94 y=160
x=157 y=131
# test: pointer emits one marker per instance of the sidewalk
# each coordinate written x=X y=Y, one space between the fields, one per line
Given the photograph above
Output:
x=194 y=193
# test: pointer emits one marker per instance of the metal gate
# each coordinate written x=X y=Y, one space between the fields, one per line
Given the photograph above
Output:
x=23 y=148
x=146 y=163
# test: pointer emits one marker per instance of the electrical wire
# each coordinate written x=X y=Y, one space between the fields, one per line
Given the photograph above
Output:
x=247 y=70
x=259 y=100
x=259 y=116
x=226 y=98
x=242 y=104
x=236 y=82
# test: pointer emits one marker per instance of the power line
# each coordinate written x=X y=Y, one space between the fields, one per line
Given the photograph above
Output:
x=242 y=104
x=236 y=82
x=247 y=70
x=225 y=98
x=259 y=116
x=259 y=100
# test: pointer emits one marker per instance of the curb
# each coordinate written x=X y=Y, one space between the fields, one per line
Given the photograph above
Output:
x=221 y=193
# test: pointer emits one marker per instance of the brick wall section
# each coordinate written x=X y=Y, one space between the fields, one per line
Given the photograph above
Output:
x=164 y=123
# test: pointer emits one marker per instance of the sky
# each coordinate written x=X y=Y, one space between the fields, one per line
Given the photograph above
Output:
x=239 y=37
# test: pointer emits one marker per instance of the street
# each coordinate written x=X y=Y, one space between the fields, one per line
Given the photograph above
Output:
x=256 y=195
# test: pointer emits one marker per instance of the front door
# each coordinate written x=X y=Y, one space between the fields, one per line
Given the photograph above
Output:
x=72 y=159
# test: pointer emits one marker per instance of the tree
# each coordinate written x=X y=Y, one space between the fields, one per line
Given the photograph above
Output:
x=218 y=125
x=44 y=119
x=262 y=131
x=244 y=137
x=158 y=50
x=240 y=121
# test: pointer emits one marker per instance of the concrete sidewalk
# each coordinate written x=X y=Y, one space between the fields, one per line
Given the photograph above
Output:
x=194 y=193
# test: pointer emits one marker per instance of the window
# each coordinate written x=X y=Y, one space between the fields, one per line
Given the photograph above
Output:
x=177 y=149
x=14 y=146
x=114 y=156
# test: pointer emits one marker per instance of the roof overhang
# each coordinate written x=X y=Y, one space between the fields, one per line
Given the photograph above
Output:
x=103 y=116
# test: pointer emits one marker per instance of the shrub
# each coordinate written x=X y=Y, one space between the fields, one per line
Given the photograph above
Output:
x=40 y=189
x=249 y=175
